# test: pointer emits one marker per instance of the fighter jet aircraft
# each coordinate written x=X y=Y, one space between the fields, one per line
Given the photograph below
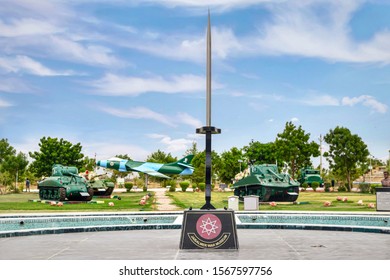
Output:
x=180 y=167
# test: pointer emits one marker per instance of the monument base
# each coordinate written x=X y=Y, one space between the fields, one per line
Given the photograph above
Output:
x=209 y=229
x=382 y=199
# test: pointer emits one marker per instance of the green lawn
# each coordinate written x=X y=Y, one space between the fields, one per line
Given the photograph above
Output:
x=13 y=203
x=308 y=201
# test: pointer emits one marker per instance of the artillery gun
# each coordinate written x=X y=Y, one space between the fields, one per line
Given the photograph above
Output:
x=65 y=184
x=268 y=184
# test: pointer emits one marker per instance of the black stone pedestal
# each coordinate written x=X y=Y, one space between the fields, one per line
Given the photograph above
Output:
x=209 y=229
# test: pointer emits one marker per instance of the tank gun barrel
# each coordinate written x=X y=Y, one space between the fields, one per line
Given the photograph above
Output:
x=97 y=176
x=277 y=175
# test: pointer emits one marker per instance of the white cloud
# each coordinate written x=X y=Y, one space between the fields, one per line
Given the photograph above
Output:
x=365 y=100
x=145 y=113
x=13 y=85
x=49 y=10
x=4 y=103
x=215 y=4
x=321 y=100
x=172 y=145
x=327 y=100
x=184 y=46
x=138 y=113
x=88 y=53
x=294 y=119
x=27 y=27
x=55 y=30
x=105 y=150
x=188 y=119
x=23 y=63
x=295 y=28
x=298 y=28
x=114 y=85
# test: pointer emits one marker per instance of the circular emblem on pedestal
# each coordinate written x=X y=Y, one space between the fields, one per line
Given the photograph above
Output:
x=208 y=226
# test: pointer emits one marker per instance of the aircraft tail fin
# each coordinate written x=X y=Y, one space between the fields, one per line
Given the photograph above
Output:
x=185 y=162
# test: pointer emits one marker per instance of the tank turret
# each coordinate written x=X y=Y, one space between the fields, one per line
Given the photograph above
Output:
x=65 y=184
x=266 y=182
x=101 y=187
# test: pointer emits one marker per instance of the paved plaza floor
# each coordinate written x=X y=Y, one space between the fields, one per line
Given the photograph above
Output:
x=255 y=244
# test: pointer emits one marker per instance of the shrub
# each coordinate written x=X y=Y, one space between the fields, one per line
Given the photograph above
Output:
x=315 y=185
x=139 y=182
x=365 y=188
x=202 y=186
x=373 y=187
x=304 y=185
x=171 y=183
x=184 y=185
x=128 y=186
x=342 y=189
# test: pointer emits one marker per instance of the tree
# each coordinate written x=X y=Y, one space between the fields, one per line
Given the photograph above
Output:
x=15 y=166
x=229 y=165
x=161 y=157
x=55 y=151
x=293 y=147
x=88 y=164
x=12 y=165
x=347 y=152
x=260 y=153
x=199 y=164
x=193 y=150
x=5 y=150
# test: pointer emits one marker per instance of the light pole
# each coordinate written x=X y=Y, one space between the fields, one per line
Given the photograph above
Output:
x=370 y=168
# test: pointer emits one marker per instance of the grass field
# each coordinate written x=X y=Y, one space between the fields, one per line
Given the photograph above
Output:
x=308 y=201
x=14 y=203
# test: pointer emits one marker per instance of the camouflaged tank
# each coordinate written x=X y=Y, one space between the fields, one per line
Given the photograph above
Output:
x=266 y=182
x=65 y=184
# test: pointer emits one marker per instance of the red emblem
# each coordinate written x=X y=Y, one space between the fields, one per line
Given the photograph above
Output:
x=208 y=226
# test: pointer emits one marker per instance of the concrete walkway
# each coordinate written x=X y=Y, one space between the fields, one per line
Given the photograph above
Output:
x=255 y=244
x=163 y=202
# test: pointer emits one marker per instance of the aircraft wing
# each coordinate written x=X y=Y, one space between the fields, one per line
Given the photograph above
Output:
x=149 y=171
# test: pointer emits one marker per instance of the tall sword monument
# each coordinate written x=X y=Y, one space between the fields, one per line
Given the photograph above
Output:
x=208 y=130
x=208 y=228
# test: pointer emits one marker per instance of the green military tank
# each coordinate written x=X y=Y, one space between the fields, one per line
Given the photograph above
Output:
x=310 y=175
x=265 y=181
x=65 y=184
x=101 y=187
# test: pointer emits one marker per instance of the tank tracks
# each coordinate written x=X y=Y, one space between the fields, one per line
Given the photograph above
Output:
x=59 y=194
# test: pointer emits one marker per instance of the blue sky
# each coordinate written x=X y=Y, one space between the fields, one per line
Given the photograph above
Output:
x=128 y=77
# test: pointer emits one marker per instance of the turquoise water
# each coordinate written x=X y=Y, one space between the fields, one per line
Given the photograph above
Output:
x=22 y=225
x=27 y=223
x=313 y=219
